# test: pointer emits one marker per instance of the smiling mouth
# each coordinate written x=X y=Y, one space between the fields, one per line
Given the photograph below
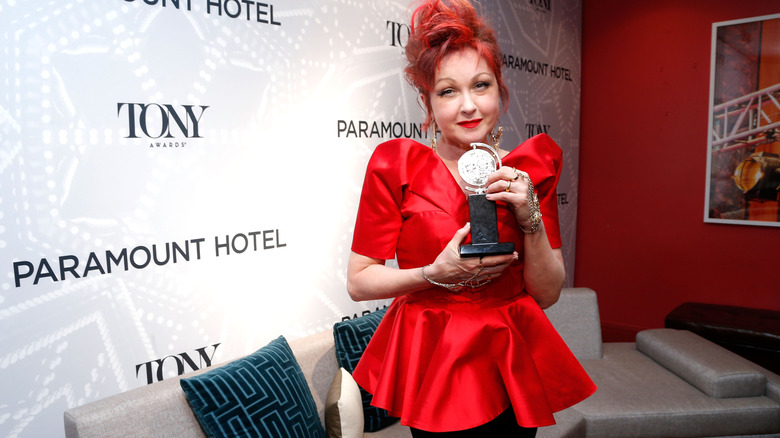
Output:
x=469 y=124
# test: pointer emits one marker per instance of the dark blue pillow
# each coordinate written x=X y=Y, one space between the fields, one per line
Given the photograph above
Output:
x=352 y=338
x=261 y=395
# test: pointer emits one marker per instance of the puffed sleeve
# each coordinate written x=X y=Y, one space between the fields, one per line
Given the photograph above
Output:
x=542 y=159
x=379 y=216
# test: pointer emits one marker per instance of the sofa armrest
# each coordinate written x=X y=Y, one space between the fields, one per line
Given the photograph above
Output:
x=709 y=367
x=772 y=382
x=773 y=388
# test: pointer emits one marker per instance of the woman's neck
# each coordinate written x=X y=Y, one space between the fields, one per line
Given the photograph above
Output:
x=450 y=152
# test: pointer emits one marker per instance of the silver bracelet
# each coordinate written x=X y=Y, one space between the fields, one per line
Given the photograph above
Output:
x=458 y=287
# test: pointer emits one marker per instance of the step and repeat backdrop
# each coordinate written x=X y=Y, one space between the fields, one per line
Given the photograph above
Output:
x=179 y=178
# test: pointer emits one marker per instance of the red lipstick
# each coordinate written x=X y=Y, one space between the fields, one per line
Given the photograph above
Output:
x=470 y=124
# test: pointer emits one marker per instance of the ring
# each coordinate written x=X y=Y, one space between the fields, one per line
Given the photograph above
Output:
x=508 y=185
x=517 y=175
x=480 y=262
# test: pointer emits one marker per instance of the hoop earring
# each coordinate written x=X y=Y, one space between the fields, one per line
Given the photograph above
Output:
x=433 y=136
x=495 y=136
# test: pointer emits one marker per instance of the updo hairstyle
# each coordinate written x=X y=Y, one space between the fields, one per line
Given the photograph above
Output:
x=440 y=27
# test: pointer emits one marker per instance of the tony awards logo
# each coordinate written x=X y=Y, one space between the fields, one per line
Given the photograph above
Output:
x=475 y=166
x=163 y=124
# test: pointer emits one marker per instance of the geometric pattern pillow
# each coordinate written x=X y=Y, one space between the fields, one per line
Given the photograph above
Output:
x=261 y=395
x=351 y=337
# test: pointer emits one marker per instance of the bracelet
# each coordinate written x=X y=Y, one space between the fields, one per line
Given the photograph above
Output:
x=450 y=286
x=458 y=287
x=533 y=206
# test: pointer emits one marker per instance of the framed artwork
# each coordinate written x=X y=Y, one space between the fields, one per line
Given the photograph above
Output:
x=743 y=159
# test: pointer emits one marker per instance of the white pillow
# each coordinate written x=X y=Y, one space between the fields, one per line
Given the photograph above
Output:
x=343 y=407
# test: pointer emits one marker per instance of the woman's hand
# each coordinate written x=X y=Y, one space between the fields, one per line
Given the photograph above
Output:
x=543 y=270
x=370 y=279
x=509 y=185
x=450 y=268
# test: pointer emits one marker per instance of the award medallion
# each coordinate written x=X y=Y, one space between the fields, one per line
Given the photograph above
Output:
x=475 y=166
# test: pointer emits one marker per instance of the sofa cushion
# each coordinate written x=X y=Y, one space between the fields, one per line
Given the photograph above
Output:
x=351 y=338
x=316 y=356
x=716 y=371
x=344 y=407
x=576 y=318
x=638 y=398
x=264 y=394
x=568 y=424
x=394 y=431
x=156 y=410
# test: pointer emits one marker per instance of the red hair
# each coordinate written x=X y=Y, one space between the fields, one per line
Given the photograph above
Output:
x=439 y=28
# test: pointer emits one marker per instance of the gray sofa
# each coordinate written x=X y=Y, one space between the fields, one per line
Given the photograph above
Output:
x=670 y=383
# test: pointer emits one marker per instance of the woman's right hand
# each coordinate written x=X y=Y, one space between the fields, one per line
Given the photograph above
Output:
x=370 y=279
x=450 y=268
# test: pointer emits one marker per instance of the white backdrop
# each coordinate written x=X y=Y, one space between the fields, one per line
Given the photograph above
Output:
x=179 y=179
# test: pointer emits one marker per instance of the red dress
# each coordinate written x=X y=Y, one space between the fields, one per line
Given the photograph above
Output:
x=444 y=361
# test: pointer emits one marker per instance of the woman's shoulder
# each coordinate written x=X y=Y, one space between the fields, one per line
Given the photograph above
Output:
x=541 y=145
x=398 y=152
x=540 y=149
x=400 y=146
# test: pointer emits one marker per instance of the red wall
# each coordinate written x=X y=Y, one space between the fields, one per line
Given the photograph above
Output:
x=642 y=243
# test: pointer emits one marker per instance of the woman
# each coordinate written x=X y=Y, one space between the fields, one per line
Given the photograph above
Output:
x=465 y=346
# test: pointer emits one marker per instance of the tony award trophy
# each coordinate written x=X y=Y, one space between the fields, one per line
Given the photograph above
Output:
x=474 y=167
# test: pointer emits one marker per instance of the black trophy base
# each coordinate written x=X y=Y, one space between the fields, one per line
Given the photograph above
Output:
x=487 y=249
x=484 y=230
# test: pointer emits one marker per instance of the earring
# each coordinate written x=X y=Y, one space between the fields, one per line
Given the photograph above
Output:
x=495 y=136
x=433 y=136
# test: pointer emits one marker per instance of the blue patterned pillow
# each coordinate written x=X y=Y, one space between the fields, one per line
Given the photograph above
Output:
x=352 y=338
x=261 y=395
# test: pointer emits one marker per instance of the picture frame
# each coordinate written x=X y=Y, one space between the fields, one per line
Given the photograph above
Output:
x=743 y=145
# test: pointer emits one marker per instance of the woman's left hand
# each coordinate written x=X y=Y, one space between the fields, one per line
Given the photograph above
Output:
x=510 y=186
x=543 y=269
